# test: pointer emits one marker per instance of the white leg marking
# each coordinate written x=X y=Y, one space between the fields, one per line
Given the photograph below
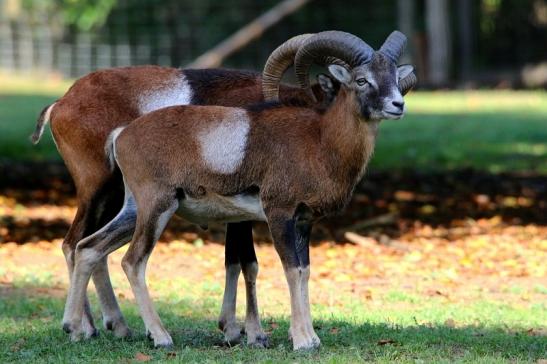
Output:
x=255 y=335
x=227 y=320
x=301 y=330
x=136 y=273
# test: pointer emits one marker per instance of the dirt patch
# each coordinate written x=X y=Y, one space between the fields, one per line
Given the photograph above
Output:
x=452 y=236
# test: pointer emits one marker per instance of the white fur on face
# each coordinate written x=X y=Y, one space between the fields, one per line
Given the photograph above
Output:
x=175 y=92
x=223 y=144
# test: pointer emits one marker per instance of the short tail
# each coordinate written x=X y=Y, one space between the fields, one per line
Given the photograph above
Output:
x=110 y=147
x=43 y=119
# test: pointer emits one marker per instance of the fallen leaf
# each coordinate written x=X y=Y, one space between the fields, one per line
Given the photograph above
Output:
x=386 y=342
x=142 y=357
x=171 y=355
x=536 y=332
x=450 y=323
x=334 y=330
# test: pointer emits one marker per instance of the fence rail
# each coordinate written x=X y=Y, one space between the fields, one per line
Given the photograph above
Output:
x=26 y=48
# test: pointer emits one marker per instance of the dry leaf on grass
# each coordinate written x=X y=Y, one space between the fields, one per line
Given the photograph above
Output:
x=142 y=357
x=386 y=341
x=537 y=332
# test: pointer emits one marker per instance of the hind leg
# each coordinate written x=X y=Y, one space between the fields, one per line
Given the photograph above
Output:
x=227 y=321
x=112 y=316
x=240 y=255
x=247 y=259
x=151 y=221
x=92 y=215
x=89 y=255
x=75 y=233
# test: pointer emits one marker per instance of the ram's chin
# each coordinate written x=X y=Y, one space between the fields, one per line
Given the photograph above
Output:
x=391 y=115
x=383 y=115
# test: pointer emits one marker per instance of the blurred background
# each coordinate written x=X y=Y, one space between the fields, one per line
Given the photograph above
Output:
x=453 y=43
x=446 y=237
x=477 y=123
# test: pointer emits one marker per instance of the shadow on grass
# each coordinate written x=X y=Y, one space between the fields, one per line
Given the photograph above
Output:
x=432 y=198
x=30 y=330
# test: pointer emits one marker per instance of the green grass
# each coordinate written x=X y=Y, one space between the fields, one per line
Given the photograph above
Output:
x=490 y=130
x=496 y=131
x=21 y=100
x=421 y=328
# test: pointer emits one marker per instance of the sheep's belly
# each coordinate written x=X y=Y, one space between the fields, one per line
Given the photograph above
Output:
x=217 y=208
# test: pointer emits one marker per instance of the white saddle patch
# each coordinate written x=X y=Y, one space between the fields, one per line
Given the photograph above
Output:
x=217 y=208
x=176 y=92
x=223 y=144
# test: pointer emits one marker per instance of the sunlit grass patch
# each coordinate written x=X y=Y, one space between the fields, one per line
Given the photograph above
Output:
x=44 y=85
x=431 y=331
x=487 y=129
x=476 y=101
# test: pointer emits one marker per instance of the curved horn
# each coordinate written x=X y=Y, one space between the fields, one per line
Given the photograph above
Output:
x=278 y=62
x=344 y=46
x=394 y=46
x=407 y=83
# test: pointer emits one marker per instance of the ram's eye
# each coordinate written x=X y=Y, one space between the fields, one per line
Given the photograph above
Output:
x=362 y=81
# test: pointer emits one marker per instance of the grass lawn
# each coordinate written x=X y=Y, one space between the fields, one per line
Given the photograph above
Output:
x=382 y=320
x=416 y=333
x=490 y=130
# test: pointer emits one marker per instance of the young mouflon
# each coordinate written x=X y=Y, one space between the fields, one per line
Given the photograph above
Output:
x=98 y=103
x=279 y=163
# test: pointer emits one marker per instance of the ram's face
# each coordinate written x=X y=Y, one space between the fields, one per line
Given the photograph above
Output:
x=377 y=88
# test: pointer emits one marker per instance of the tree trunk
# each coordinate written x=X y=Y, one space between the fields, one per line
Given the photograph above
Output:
x=405 y=22
x=215 y=56
x=465 y=28
x=439 y=41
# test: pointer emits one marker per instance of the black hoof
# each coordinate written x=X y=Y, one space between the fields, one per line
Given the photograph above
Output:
x=95 y=333
x=261 y=342
x=66 y=328
x=233 y=342
x=109 y=325
x=149 y=335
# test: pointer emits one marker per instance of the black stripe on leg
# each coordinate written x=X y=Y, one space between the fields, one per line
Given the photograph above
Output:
x=239 y=243
x=297 y=237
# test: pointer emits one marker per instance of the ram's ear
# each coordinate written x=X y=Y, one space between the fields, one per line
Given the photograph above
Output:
x=325 y=82
x=340 y=73
x=404 y=70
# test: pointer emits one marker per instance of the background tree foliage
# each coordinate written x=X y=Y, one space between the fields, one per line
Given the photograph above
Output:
x=84 y=15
